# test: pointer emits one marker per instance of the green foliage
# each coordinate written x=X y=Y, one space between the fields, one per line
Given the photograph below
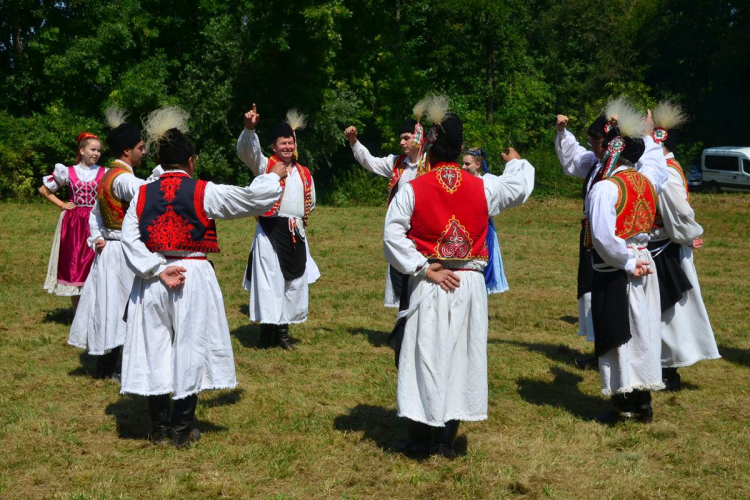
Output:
x=508 y=68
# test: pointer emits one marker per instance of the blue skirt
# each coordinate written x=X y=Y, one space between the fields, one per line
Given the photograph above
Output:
x=494 y=274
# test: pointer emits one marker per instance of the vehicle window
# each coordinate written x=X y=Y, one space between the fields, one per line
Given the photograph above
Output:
x=725 y=163
x=746 y=165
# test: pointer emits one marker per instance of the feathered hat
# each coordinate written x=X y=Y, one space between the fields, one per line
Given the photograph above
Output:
x=166 y=128
x=623 y=140
x=288 y=128
x=667 y=118
x=446 y=129
x=123 y=135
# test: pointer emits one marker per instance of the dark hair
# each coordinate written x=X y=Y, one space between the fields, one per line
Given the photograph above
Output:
x=450 y=138
x=175 y=148
x=673 y=137
x=281 y=129
x=634 y=146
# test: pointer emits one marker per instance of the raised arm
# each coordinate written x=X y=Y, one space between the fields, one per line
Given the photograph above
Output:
x=512 y=188
x=379 y=166
x=233 y=202
x=576 y=160
x=653 y=165
x=248 y=145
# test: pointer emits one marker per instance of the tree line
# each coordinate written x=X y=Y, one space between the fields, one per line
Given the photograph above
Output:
x=507 y=66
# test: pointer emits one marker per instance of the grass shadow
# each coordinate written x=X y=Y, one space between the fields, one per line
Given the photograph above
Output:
x=223 y=399
x=248 y=335
x=562 y=392
x=573 y=320
x=556 y=352
x=736 y=356
x=131 y=416
x=383 y=427
x=87 y=368
x=245 y=310
x=374 y=337
x=61 y=315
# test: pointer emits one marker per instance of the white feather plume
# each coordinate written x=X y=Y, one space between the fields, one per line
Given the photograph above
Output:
x=420 y=108
x=158 y=122
x=437 y=109
x=630 y=122
x=296 y=120
x=115 y=116
x=668 y=115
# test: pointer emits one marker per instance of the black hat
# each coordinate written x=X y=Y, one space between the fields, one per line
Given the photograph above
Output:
x=282 y=129
x=124 y=136
x=450 y=138
x=175 y=148
x=599 y=127
x=408 y=126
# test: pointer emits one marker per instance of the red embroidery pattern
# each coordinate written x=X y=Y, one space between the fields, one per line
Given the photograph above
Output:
x=306 y=184
x=455 y=242
x=170 y=231
x=141 y=200
x=112 y=208
x=200 y=210
x=449 y=178
x=169 y=186
x=636 y=205
x=399 y=165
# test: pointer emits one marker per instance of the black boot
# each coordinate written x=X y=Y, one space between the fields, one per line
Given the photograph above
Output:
x=107 y=365
x=282 y=338
x=671 y=379
x=158 y=410
x=266 y=337
x=419 y=439
x=183 y=417
x=591 y=363
x=624 y=409
x=443 y=439
x=643 y=407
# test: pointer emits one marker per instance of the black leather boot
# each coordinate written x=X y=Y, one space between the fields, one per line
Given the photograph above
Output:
x=107 y=365
x=282 y=338
x=443 y=439
x=671 y=379
x=183 y=417
x=419 y=439
x=266 y=337
x=643 y=407
x=158 y=410
x=624 y=409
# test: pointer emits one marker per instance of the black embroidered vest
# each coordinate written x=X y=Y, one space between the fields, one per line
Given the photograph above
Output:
x=171 y=216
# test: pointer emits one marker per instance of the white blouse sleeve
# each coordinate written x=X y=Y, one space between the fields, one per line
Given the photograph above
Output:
x=126 y=186
x=155 y=174
x=399 y=250
x=234 y=202
x=380 y=166
x=574 y=158
x=96 y=223
x=511 y=189
x=653 y=165
x=603 y=216
x=248 y=150
x=141 y=260
x=58 y=178
x=676 y=212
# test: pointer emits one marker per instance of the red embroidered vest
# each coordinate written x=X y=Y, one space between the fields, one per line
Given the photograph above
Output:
x=450 y=216
x=307 y=185
x=111 y=207
x=398 y=168
x=171 y=216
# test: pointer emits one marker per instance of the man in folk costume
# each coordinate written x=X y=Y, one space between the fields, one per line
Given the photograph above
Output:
x=687 y=336
x=399 y=169
x=435 y=231
x=585 y=164
x=625 y=292
x=99 y=324
x=177 y=337
x=280 y=267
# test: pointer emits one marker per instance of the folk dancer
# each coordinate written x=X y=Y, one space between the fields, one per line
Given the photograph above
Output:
x=280 y=267
x=98 y=324
x=399 y=169
x=435 y=231
x=625 y=292
x=177 y=338
x=686 y=333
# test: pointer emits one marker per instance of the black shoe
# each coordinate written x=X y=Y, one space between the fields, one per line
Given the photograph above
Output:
x=266 y=337
x=609 y=418
x=157 y=434
x=645 y=414
x=591 y=363
x=413 y=447
x=183 y=415
x=419 y=439
x=282 y=338
x=671 y=379
x=443 y=439
x=158 y=409
x=443 y=449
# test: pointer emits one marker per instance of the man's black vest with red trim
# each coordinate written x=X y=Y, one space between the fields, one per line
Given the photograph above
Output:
x=171 y=216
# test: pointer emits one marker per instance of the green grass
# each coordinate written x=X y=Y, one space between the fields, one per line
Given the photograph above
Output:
x=320 y=422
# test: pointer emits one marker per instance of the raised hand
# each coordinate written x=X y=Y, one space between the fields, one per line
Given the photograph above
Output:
x=445 y=278
x=351 y=134
x=252 y=118
x=561 y=123
x=172 y=277
x=512 y=154
x=279 y=169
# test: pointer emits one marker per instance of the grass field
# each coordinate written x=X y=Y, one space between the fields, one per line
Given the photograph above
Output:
x=321 y=422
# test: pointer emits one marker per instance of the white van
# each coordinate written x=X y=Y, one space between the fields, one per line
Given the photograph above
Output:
x=726 y=169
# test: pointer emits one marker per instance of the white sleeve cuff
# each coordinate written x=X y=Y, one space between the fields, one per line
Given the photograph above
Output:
x=630 y=266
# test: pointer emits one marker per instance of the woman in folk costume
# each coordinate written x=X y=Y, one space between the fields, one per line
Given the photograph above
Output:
x=436 y=232
x=177 y=339
x=280 y=267
x=687 y=336
x=625 y=292
x=70 y=259
x=475 y=162
x=399 y=169
x=98 y=324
